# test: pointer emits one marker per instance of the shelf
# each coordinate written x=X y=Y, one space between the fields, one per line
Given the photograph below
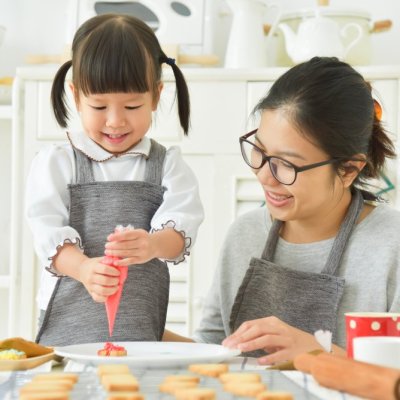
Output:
x=5 y=111
x=4 y=281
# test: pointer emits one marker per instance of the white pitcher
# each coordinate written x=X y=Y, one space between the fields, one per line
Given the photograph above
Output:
x=246 y=44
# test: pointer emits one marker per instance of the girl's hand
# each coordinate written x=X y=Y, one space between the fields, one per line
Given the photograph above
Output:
x=99 y=279
x=135 y=246
x=282 y=341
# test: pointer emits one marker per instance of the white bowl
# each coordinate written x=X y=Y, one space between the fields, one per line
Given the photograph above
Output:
x=380 y=350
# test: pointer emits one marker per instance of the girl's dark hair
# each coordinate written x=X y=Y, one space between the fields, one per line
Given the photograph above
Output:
x=331 y=104
x=117 y=53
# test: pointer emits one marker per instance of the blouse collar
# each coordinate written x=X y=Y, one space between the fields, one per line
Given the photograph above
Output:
x=91 y=149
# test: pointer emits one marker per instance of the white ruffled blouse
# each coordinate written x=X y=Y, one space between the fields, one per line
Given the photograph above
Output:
x=47 y=196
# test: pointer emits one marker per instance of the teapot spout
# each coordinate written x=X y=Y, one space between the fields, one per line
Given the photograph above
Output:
x=290 y=39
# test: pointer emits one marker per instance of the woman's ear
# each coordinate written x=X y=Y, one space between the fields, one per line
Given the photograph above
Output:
x=75 y=94
x=156 y=98
x=350 y=169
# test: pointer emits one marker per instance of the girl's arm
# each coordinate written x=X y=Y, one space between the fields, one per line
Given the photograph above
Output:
x=137 y=246
x=99 y=279
x=47 y=202
x=181 y=209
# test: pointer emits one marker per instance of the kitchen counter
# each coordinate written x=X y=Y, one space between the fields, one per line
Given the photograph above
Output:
x=42 y=72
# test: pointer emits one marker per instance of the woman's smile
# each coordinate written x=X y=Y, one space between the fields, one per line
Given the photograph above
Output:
x=277 y=200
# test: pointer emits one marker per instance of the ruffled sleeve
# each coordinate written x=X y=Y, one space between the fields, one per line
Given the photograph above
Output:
x=181 y=208
x=47 y=202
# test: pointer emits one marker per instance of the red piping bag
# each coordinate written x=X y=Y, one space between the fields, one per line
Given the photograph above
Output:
x=112 y=302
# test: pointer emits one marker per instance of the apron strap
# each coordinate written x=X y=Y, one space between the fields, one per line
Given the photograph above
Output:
x=154 y=164
x=343 y=235
x=84 y=167
x=270 y=246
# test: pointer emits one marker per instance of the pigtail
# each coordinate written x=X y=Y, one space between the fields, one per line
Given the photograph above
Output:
x=182 y=93
x=58 y=96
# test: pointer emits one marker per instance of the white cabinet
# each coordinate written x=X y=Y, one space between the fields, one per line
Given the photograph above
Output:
x=5 y=203
x=221 y=102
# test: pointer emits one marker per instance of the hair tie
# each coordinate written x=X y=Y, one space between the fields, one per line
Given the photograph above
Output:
x=169 y=61
x=377 y=110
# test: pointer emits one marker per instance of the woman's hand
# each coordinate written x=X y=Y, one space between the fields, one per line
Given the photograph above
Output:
x=282 y=341
x=99 y=279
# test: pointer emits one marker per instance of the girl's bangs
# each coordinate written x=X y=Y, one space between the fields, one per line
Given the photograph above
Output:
x=113 y=66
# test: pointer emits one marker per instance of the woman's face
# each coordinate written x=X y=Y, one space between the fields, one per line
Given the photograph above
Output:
x=116 y=121
x=315 y=192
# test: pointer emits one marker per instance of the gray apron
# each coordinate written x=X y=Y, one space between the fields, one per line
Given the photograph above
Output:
x=308 y=301
x=96 y=208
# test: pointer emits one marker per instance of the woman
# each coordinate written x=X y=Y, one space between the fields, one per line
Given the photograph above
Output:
x=320 y=247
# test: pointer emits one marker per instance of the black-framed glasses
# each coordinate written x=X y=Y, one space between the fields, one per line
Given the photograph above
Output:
x=282 y=170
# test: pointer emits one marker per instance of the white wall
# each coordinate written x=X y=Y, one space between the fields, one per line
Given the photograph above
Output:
x=39 y=27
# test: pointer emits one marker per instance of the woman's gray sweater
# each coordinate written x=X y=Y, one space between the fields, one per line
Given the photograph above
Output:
x=370 y=266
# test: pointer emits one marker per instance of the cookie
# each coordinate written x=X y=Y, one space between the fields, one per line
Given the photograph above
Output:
x=105 y=369
x=195 y=394
x=45 y=396
x=112 y=350
x=57 y=376
x=240 y=377
x=213 y=370
x=275 y=396
x=124 y=396
x=172 y=386
x=46 y=387
x=117 y=383
x=249 y=389
x=182 y=378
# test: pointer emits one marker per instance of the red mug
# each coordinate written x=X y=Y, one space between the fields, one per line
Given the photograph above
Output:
x=360 y=324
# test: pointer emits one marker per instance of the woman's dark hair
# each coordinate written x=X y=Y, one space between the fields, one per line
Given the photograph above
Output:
x=331 y=104
x=117 y=53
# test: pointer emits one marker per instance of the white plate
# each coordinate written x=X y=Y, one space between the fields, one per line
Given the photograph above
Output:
x=150 y=354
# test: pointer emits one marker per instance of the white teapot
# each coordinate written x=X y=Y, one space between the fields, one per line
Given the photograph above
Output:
x=318 y=36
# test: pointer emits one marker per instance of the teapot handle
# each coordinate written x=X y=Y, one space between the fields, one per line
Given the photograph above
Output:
x=344 y=31
x=272 y=28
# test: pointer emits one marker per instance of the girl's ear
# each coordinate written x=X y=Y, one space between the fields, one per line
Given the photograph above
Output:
x=350 y=169
x=156 y=99
x=75 y=94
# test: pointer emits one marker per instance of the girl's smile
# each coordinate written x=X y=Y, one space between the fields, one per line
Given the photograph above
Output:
x=116 y=139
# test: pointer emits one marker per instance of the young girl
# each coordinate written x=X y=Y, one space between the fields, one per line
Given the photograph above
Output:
x=108 y=175
x=319 y=248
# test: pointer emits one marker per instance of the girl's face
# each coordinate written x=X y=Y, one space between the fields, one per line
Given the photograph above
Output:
x=315 y=192
x=116 y=121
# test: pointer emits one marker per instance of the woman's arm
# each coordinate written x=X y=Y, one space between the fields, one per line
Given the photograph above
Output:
x=174 y=337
